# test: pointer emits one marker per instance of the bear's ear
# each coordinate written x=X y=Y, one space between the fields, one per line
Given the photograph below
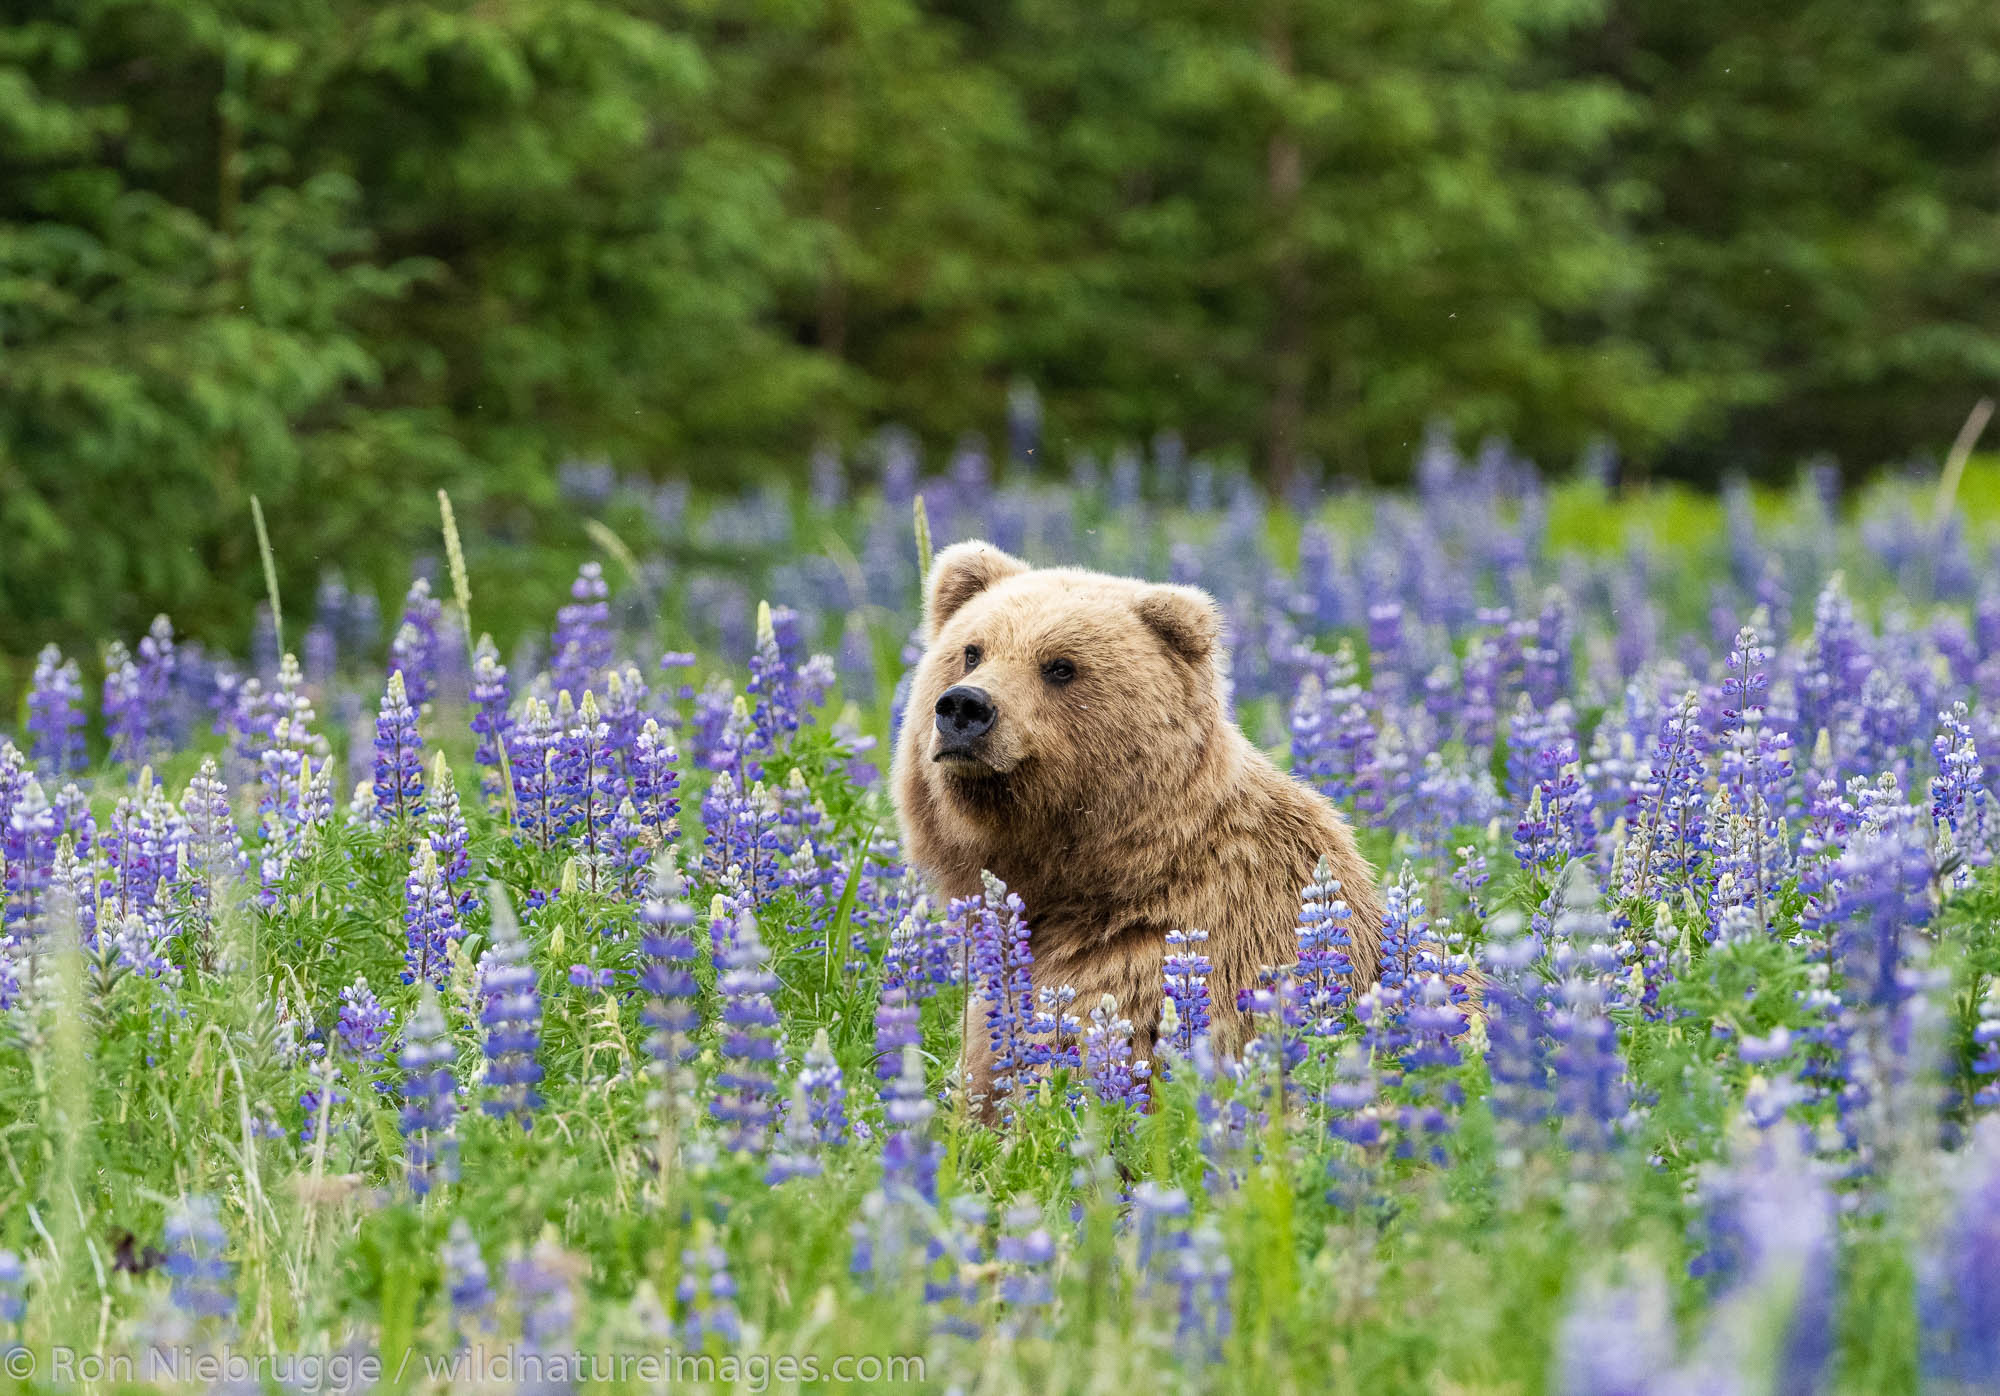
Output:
x=960 y=573
x=1185 y=617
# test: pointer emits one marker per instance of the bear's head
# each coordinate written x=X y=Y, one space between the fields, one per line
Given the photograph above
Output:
x=1054 y=693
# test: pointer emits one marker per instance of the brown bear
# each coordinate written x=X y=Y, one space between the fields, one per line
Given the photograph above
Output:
x=1069 y=731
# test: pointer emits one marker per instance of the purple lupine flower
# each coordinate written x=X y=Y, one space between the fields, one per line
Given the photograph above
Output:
x=656 y=786
x=740 y=842
x=1671 y=834
x=953 y=1257
x=707 y=1295
x=213 y=860
x=1202 y=1274
x=785 y=685
x=28 y=856
x=363 y=1022
x=204 y=1282
x=430 y=1098
x=543 y=1291
x=1591 y=1095
x=399 y=757
x=671 y=1015
x=467 y=1281
x=1986 y=1050
x=417 y=646
x=795 y=1152
x=512 y=1016
x=448 y=837
x=1958 y=1291
x=586 y=793
x=531 y=754
x=1333 y=739
x=490 y=722
x=1026 y=1253
x=430 y=920
x=624 y=709
x=1114 y=1077
x=896 y=1027
x=1961 y=805
x=1616 y=1341
x=582 y=645
x=1186 y=971
x=125 y=715
x=55 y=714
x=910 y=1157
x=825 y=1091
x=750 y=1051
x=13 y=1289
x=1517 y=1041
x=1545 y=659
x=1002 y=968
x=1320 y=979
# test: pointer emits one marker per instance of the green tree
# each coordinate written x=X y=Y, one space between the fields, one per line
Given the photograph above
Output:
x=1822 y=203
x=1313 y=224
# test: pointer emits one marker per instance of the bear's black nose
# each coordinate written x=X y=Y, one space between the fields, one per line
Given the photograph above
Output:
x=964 y=713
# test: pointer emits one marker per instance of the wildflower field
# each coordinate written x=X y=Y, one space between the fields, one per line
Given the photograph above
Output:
x=390 y=1010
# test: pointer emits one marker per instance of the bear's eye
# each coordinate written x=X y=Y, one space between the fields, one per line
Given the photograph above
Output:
x=1059 y=671
x=973 y=654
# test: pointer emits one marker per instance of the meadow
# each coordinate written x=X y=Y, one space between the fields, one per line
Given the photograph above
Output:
x=394 y=1007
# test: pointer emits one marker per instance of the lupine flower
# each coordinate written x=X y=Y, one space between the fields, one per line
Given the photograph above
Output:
x=750 y=1040
x=582 y=645
x=430 y=920
x=1958 y=1291
x=909 y=1158
x=511 y=1014
x=467 y=1282
x=1187 y=971
x=1961 y=806
x=741 y=845
x=55 y=715
x=430 y=1102
x=213 y=860
x=896 y=1027
x=953 y=1256
x=1333 y=739
x=531 y=754
x=825 y=1090
x=542 y=1285
x=707 y=1295
x=28 y=855
x=13 y=1288
x=447 y=835
x=1321 y=976
x=491 y=725
x=1671 y=835
x=656 y=784
x=363 y=1022
x=666 y=975
x=204 y=1282
x=399 y=757
x=127 y=721
x=1002 y=967
x=1616 y=1341
x=1114 y=1077
x=417 y=646
x=1202 y=1273
x=795 y=1154
x=586 y=793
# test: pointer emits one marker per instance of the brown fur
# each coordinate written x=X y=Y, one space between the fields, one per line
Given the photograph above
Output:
x=1120 y=806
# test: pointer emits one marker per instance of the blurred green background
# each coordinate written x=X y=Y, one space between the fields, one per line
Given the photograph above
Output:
x=340 y=254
